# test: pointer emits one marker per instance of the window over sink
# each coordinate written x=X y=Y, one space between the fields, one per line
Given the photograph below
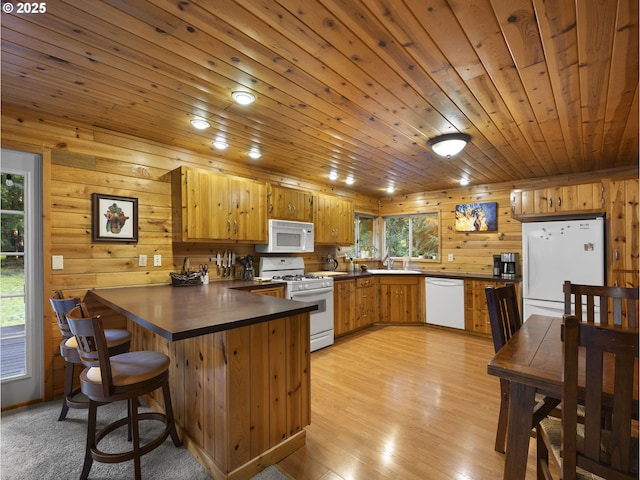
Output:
x=414 y=236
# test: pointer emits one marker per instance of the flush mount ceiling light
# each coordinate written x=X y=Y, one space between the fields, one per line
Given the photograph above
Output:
x=243 y=98
x=391 y=189
x=220 y=143
x=449 y=144
x=333 y=175
x=200 y=123
x=350 y=180
x=464 y=181
x=255 y=153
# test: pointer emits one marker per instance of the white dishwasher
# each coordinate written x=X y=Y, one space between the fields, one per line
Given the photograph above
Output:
x=445 y=301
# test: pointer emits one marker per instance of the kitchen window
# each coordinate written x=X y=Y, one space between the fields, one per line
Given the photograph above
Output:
x=365 y=244
x=413 y=236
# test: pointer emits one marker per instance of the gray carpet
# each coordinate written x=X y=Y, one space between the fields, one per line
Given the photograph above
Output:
x=34 y=445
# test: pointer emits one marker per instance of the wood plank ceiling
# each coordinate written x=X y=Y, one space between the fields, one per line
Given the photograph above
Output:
x=359 y=86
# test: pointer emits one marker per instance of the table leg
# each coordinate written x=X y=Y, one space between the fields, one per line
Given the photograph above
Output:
x=521 y=400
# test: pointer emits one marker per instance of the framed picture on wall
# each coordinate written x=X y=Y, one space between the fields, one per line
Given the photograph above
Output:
x=476 y=217
x=114 y=219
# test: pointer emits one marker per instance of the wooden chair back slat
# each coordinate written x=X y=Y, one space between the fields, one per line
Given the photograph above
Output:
x=92 y=343
x=606 y=347
x=504 y=314
x=618 y=305
x=61 y=306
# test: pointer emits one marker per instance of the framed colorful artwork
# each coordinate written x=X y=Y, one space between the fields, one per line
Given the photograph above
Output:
x=115 y=218
x=476 y=217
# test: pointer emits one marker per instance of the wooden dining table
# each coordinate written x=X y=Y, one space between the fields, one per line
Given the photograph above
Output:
x=532 y=362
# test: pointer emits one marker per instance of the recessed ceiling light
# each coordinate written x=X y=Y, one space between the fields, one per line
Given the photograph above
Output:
x=333 y=175
x=254 y=153
x=390 y=189
x=464 y=181
x=243 y=98
x=220 y=143
x=350 y=180
x=200 y=123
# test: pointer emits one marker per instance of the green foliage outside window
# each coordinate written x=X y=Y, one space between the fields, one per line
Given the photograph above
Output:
x=413 y=236
x=12 y=229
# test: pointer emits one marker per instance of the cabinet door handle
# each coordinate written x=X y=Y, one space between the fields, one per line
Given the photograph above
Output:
x=616 y=254
x=235 y=226
x=559 y=202
x=550 y=202
x=228 y=225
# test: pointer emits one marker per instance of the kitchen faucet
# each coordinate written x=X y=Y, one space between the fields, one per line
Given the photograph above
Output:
x=387 y=261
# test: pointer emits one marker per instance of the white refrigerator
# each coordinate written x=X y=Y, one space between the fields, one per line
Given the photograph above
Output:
x=553 y=252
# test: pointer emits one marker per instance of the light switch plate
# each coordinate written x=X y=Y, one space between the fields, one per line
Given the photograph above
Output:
x=57 y=262
x=157 y=260
x=142 y=260
x=450 y=257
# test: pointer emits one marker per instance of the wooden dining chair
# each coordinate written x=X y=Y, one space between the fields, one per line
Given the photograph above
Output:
x=118 y=341
x=614 y=305
x=504 y=316
x=126 y=376
x=596 y=449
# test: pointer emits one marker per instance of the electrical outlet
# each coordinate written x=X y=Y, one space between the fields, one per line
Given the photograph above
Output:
x=142 y=260
x=157 y=260
x=57 y=262
x=450 y=257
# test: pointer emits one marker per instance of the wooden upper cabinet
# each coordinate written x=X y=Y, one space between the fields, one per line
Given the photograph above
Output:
x=622 y=232
x=212 y=207
x=334 y=220
x=289 y=204
x=559 y=199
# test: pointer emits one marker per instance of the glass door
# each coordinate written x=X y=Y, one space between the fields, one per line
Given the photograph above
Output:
x=21 y=319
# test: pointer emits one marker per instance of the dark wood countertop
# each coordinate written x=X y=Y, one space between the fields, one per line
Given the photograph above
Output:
x=433 y=273
x=177 y=313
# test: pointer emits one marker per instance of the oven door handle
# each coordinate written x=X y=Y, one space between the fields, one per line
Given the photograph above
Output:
x=308 y=293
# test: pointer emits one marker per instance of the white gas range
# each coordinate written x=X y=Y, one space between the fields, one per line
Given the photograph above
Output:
x=307 y=288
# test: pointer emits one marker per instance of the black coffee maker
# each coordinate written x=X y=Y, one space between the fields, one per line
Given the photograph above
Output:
x=509 y=262
x=497 y=265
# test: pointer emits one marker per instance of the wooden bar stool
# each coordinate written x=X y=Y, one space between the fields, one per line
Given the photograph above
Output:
x=126 y=376
x=118 y=341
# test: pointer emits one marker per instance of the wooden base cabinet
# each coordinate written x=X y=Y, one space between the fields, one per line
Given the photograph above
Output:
x=401 y=298
x=366 y=302
x=476 y=315
x=241 y=397
x=344 y=306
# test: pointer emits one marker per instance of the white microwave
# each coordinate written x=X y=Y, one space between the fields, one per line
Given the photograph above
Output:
x=288 y=237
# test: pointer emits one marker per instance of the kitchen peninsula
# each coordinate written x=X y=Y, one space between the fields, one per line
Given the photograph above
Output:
x=240 y=380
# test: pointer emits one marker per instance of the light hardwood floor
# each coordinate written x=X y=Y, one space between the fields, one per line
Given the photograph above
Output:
x=402 y=402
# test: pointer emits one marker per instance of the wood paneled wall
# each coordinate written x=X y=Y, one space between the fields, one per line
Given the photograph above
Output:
x=82 y=159
x=472 y=251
